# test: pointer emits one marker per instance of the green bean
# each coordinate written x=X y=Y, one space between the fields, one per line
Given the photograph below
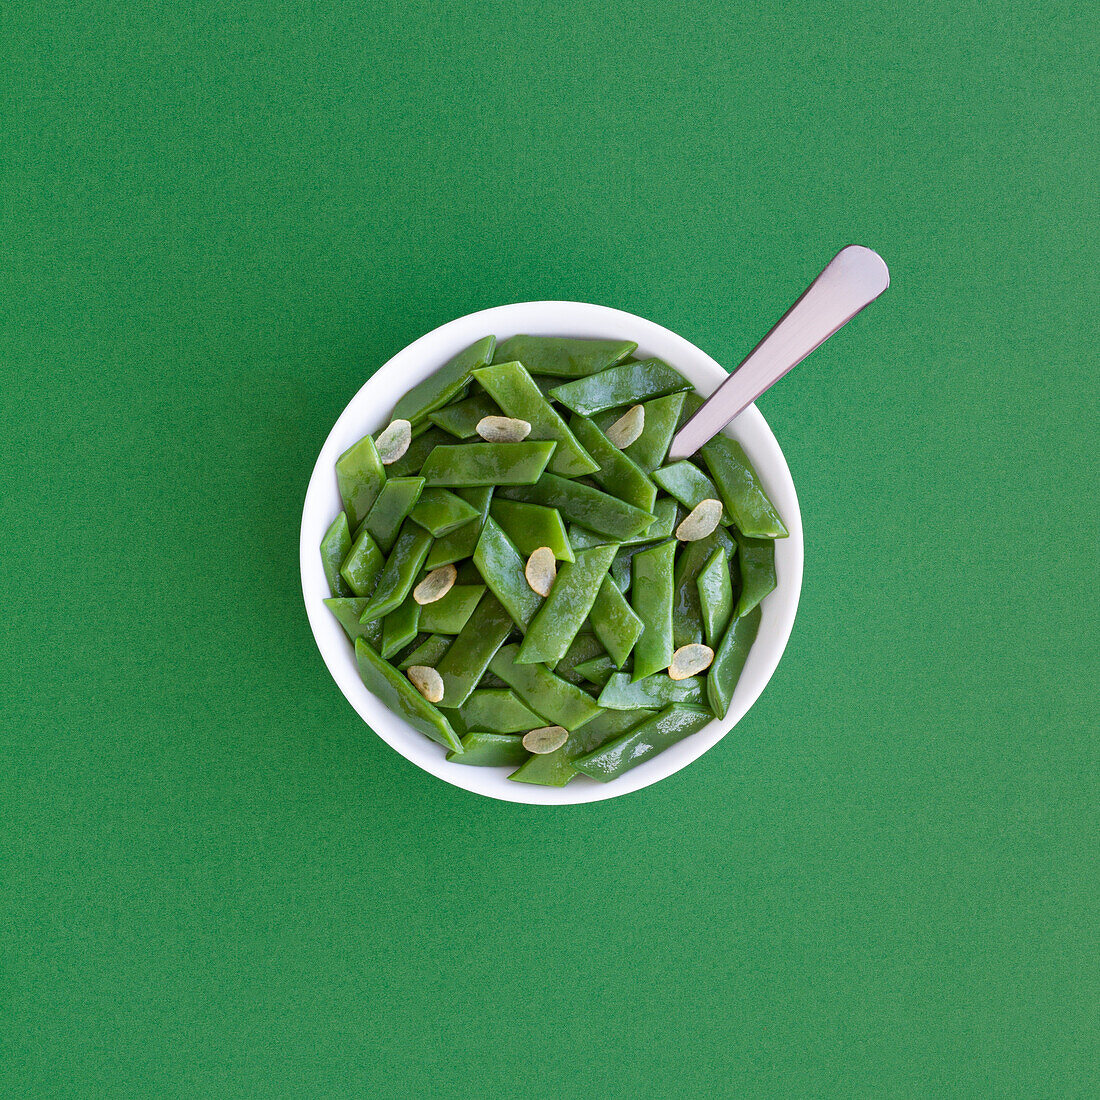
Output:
x=467 y=464
x=502 y=569
x=555 y=769
x=664 y=511
x=757 y=560
x=598 y=670
x=715 y=596
x=620 y=571
x=429 y=652
x=490 y=750
x=445 y=384
x=359 y=476
x=362 y=565
x=617 y=473
x=583 y=647
x=422 y=446
x=642 y=742
x=651 y=598
x=513 y=389
x=584 y=505
x=741 y=490
x=390 y=507
x=398 y=575
x=465 y=662
x=498 y=710
x=395 y=691
x=450 y=613
x=688 y=484
x=462 y=418
x=557 y=622
x=400 y=627
x=614 y=622
x=627 y=383
x=563 y=357
x=729 y=660
x=530 y=526
x=555 y=699
x=460 y=544
x=466 y=572
x=687 y=614
x=441 y=512
x=347 y=610
x=335 y=547
x=657 y=690
x=662 y=415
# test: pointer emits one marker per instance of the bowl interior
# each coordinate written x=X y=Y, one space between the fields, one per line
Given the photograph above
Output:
x=369 y=410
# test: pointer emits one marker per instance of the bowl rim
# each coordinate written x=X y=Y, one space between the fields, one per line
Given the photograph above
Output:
x=368 y=410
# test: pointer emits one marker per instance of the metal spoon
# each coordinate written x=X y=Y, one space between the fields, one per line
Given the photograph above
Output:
x=852 y=280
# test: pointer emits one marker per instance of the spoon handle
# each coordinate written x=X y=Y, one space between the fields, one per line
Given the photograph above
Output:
x=853 y=279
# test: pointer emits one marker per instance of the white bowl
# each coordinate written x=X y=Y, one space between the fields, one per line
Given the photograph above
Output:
x=369 y=410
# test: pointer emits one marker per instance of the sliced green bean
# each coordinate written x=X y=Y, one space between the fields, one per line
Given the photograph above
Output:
x=400 y=627
x=551 y=769
x=530 y=526
x=335 y=547
x=467 y=573
x=621 y=568
x=614 y=622
x=395 y=691
x=555 y=769
x=628 y=383
x=460 y=544
x=664 y=523
x=584 y=505
x=513 y=389
x=441 y=512
x=741 y=490
x=466 y=464
x=347 y=610
x=399 y=573
x=449 y=614
x=445 y=384
x=555 y=699
x=584 y=647
x=688 y=484
x=430 y=652
x=422 y=446
x=715 y=596
x=687 y=614
x=465 y=662
x=756 y=558
x=498 y=710
x=545 y=383
x=729 y=660
x=563 y=357
x=390 y=507
x=490 y=750
x=662 y=415
x=360 y=476
x=462 y=418
x=617 y=473
x=657 y=690
x=691 y=404
x=651 y=598
x=642 y=742
x=502 y=569
x=362 y=565
x=598 y=670
x=558 y=621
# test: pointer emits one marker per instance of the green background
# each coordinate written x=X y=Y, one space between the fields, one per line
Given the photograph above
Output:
x=218 y=219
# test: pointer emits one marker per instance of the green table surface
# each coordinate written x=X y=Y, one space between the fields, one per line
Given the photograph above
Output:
x=217 y=219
